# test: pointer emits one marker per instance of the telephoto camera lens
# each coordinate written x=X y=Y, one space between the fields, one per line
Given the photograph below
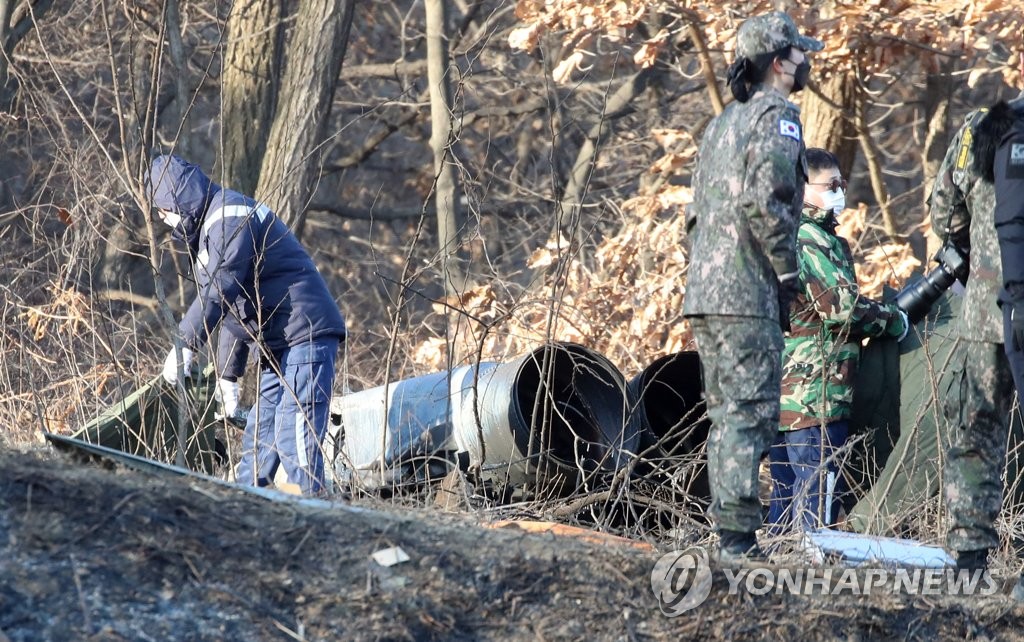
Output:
x=917 y=298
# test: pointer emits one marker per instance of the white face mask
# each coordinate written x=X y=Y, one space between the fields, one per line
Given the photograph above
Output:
x=171 y=219
x=835 y=201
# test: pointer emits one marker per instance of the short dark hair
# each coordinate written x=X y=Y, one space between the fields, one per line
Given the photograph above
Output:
x=820 y=159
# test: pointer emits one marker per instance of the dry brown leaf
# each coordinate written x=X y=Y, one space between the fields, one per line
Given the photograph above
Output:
x=525 y=38
x=647 y=54
x=563 y=71
x=669 y=138
x=669 y=163
x=541 y=257
x=675 y=196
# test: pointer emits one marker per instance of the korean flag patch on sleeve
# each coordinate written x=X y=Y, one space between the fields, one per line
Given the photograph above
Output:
x=789 y=128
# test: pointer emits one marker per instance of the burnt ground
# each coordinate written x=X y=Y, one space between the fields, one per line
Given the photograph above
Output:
x=88 y=553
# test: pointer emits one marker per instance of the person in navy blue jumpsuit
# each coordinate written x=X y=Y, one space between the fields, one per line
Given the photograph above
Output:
x=257 y=283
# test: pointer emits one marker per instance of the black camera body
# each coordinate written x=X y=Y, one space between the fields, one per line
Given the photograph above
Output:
x=917 y=298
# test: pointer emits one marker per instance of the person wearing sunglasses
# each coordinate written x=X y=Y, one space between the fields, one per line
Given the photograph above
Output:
x=748 y=191
x=828 y=320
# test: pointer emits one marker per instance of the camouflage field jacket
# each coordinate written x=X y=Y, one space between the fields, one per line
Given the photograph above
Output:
x=748 y=189
x=829 y=319
x=963 y=209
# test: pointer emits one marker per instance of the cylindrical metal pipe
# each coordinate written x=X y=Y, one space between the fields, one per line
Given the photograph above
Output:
x=670 y=403
x=558 y=412
x=418 y=419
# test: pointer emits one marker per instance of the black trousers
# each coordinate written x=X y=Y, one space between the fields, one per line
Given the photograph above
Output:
x=1014 y=357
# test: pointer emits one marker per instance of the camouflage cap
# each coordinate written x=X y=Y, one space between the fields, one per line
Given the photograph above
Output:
x=770 y=32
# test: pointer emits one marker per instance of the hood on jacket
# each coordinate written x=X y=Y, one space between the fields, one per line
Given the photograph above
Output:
x=175 y=185
x=988 y=134
x=825 y=219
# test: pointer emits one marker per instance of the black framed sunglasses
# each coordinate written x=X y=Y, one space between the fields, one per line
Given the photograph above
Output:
x=834 y=184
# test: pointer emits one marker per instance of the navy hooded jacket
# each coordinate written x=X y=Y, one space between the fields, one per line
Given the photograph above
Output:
x=249 y=268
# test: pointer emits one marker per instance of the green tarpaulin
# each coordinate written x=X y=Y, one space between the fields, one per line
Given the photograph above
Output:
x=146 y=422
x=911 y=442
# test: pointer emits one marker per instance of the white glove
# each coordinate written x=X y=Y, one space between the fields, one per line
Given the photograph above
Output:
x=171 y=365
x=906 y=325
x=228 y=393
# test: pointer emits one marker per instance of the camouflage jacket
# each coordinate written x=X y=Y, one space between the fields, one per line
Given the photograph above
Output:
x=962 y=206
x=828 y=319
x=748 y=190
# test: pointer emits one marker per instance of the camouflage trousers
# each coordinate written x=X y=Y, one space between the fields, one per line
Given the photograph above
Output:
x=741 y=362
x=978 y=409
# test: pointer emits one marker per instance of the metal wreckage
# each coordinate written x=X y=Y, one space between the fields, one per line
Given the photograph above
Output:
x=563 y=420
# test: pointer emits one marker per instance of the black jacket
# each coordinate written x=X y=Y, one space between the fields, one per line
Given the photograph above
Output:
x=1008 y=174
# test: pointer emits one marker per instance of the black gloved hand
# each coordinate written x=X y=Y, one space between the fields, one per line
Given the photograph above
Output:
x=1017 y=325
x=789 y=288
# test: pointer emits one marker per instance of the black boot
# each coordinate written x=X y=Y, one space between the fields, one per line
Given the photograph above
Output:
x=972 y=560
x=738 y=548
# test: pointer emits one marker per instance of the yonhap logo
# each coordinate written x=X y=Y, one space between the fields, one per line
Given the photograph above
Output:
x=681 y=580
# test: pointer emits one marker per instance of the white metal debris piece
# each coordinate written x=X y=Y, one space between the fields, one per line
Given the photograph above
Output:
x=390 y=556
x=856 y=549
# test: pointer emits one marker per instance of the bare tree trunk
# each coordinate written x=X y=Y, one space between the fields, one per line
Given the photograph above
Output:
x=249 y=88
x=182 y=96
x=707 y=67
x=6 y=9
x=831 y=113
x=619 y=104
x=826 y=118
x=446 y=189
x=937 y=95
x=871 y=157
x=291 y=165
x=14 y=25
x=829 y=131
x=123 y=258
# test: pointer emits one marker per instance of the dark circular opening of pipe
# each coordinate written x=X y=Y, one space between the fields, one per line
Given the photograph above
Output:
x=676 y=427
x=670 y=394
x=567 y=407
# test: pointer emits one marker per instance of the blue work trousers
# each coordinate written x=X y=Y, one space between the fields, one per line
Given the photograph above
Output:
x=288 y=424
x=806 y=481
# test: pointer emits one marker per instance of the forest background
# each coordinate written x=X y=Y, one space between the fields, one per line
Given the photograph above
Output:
x=472 y=177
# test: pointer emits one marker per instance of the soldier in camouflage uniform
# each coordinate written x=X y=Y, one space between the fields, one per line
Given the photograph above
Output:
x=748 y=191
x=828 y=319
x=962 y=213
